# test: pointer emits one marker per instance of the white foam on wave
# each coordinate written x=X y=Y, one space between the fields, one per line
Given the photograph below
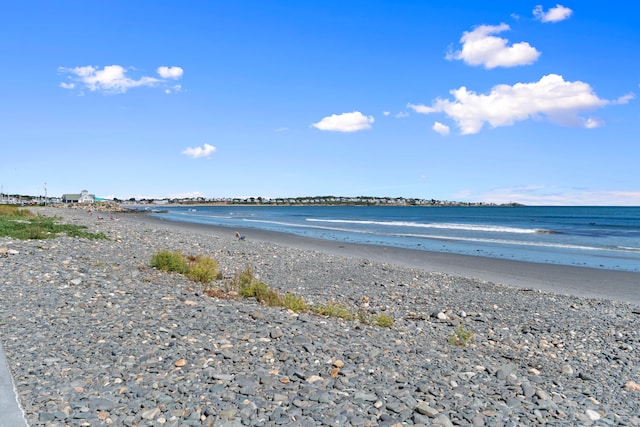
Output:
x=457 y=238
x=444 y=226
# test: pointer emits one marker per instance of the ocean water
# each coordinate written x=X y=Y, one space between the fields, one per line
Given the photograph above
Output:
x=597 y=237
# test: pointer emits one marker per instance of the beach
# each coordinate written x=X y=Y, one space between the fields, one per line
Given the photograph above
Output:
x=94 y=336
x=577 y=281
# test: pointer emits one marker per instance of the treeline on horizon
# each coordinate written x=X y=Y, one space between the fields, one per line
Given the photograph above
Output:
x=277 y=201
x=322 y=201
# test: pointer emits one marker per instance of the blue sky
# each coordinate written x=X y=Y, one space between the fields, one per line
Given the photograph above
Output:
x=509 y=101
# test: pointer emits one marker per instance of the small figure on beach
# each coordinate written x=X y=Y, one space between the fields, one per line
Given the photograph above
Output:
x=100 y=217
x=239 y=236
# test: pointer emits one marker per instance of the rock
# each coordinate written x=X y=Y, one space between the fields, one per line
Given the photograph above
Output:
x=506 y=370
x=424 y=409
x=567 y=370
x=632 y=386
x=592 y=415
x=149 y=414
x=443 y=421
x=275 y=333
x=543 y=395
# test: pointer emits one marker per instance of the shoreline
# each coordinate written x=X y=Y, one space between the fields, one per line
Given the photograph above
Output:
x=94 y=335
x=559 y=279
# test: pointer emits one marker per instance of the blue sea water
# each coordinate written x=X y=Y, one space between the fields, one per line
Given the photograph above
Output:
x=597 y=237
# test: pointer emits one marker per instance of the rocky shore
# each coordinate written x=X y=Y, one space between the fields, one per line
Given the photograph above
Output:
x=94 y=336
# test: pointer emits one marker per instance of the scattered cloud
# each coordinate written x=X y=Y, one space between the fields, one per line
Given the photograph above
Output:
x=283 y=129
x=113 y=79
x=345 y=122
x=170 y=72
x=551 y=97
x=481 y=47
x=624 y=99
x=555 y=14
x=402 y=115
x=386 y=113
x=440 y=128
x=172 y=89
x=422 y=109
x=196 y=152
x=553 y=196
x=593 y=122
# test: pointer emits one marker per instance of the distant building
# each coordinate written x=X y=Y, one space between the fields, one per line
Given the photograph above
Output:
x=83 y=197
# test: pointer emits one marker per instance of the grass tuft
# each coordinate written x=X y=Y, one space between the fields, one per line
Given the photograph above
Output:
x=462 y=337
x=382 y=320
x=333 y=309
x=245 y=285
x=294 y=303
x=203 y=269
x=169 y=261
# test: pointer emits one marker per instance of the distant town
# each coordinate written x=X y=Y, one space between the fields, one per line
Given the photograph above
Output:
x=85 y=197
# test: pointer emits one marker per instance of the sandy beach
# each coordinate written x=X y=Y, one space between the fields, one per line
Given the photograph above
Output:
x=93 y=335
x=567 y=280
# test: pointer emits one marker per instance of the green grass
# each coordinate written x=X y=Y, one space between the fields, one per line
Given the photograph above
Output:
x=23 y=225
x=203 y=269
x=169 y=261
x=294 y=303
x=244 y=284
x=333 y=309
x=382 y=320
x=199 y=269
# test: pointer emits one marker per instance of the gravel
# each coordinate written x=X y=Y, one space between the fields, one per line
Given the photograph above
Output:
x=94 y=336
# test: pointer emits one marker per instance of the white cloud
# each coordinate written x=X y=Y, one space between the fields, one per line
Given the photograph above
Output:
x=440 y=128
x=551 y=97
x=555 y=14
x=174 y=88
x=205 y=151
x=402 y=115
x=423 y=109
x=593 y=122
x=480 y=47
x=170 y=72
x=624 y=99
x=113 y=79
x=110 y=79
x=386 y=113
x=553 y=196
x=345 y=122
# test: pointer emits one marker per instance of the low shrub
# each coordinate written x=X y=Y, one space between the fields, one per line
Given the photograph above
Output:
x=203 y=269
x=382 y=320
x=333 y=309
x=169 y=261
x=294 y=303
x=462 y=336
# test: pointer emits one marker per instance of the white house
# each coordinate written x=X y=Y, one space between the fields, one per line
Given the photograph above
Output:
x=83 y=197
